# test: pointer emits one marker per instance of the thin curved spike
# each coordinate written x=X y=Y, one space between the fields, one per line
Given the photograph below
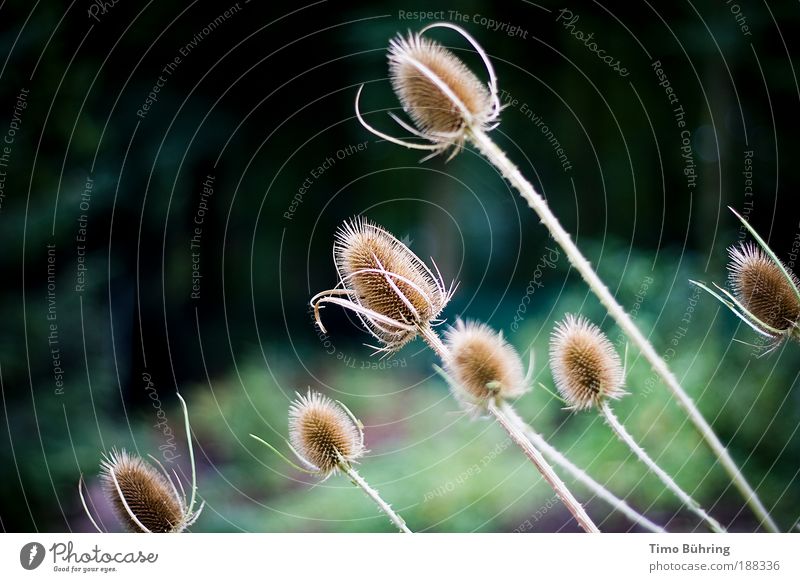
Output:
x=767 y=250
x=356 y=421
x=127 y=507
x=529 y=374
x=482 y=53
x=731 y=307
x=387 y=275
x=193 y=518
x=180 y=484
x=747 y=313
x=284 y=457
x=554 y=394
x=368 y=312
x=85 y=507
x=386 y=136
x=182 y=501
x=188 y=429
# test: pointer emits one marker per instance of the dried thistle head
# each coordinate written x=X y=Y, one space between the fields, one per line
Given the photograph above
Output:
x=144 y=499
x=323 y=433
x=763 y=289
x=766 y=294
x=585 y=366
x=482 y=365
x=443 y=97
x=393 y=293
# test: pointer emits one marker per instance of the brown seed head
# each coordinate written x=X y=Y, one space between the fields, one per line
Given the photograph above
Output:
x=148 y=494
x=585 y=367
x=386 y=278
x=323 y=433
x=762 y=288
x=482 y=364
x=435 y=112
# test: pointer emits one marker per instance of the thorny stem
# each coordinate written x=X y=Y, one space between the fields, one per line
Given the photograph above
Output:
x=510 y=172
x=513 y=425
x=581 y=476
x=373 y=494
x=434 y=341
x=626 y=438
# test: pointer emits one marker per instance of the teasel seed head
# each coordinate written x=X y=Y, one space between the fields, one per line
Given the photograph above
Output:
x=393 y=293
x=482 y=365
x=585 y=366
x=761 y=287
x=128 y=480
x=324 y=434
x=441 y=95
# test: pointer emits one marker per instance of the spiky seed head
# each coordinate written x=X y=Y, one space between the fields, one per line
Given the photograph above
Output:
x=433 y=111
x=482 y=364
x=762 y=288
x=323 y=433
x=387 y=278
x=585 y=366
x=147 y=492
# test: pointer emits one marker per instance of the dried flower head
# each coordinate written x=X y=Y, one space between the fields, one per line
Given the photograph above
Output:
x=762 y=288
x=585 y=366
x=393 y=293
x=441 y=95
x=144 y=499
x=323 y=433
x=766 y=294
x=482 y=365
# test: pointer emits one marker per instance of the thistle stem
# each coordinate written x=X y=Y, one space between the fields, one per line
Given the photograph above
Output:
x=510 y=172
x=626 y=438
x=373 y=494
x=554 y=456
x=513 y=425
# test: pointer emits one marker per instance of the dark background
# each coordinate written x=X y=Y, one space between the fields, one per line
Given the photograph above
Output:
x=261 y=101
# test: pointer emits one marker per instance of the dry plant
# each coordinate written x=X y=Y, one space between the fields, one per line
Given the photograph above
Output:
x=449 y=106
x=144 y=499
x=482 y=368
x=765 y=293
x=588 y=373
x=326 y=438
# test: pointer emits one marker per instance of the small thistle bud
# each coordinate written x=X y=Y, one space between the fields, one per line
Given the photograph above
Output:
x=585 y=367
x=150 y=498
x=761 y=287
x=323 y=433
x=482 y=365
x=443 y=97
x=394 y=293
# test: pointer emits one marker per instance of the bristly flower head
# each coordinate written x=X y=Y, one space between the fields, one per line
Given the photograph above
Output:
x=393 y=293
x=585 y=366
x=766 y=294
x=324 y=434
x=143 y=499
x=441 y=95
x=763 y=289
x=482 y=365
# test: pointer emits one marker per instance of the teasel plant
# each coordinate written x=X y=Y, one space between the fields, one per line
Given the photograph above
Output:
x=449 y=106
x=397 y=298
x=588 y=373
x=764 y=294
x=327 y=438
x=146 y=499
